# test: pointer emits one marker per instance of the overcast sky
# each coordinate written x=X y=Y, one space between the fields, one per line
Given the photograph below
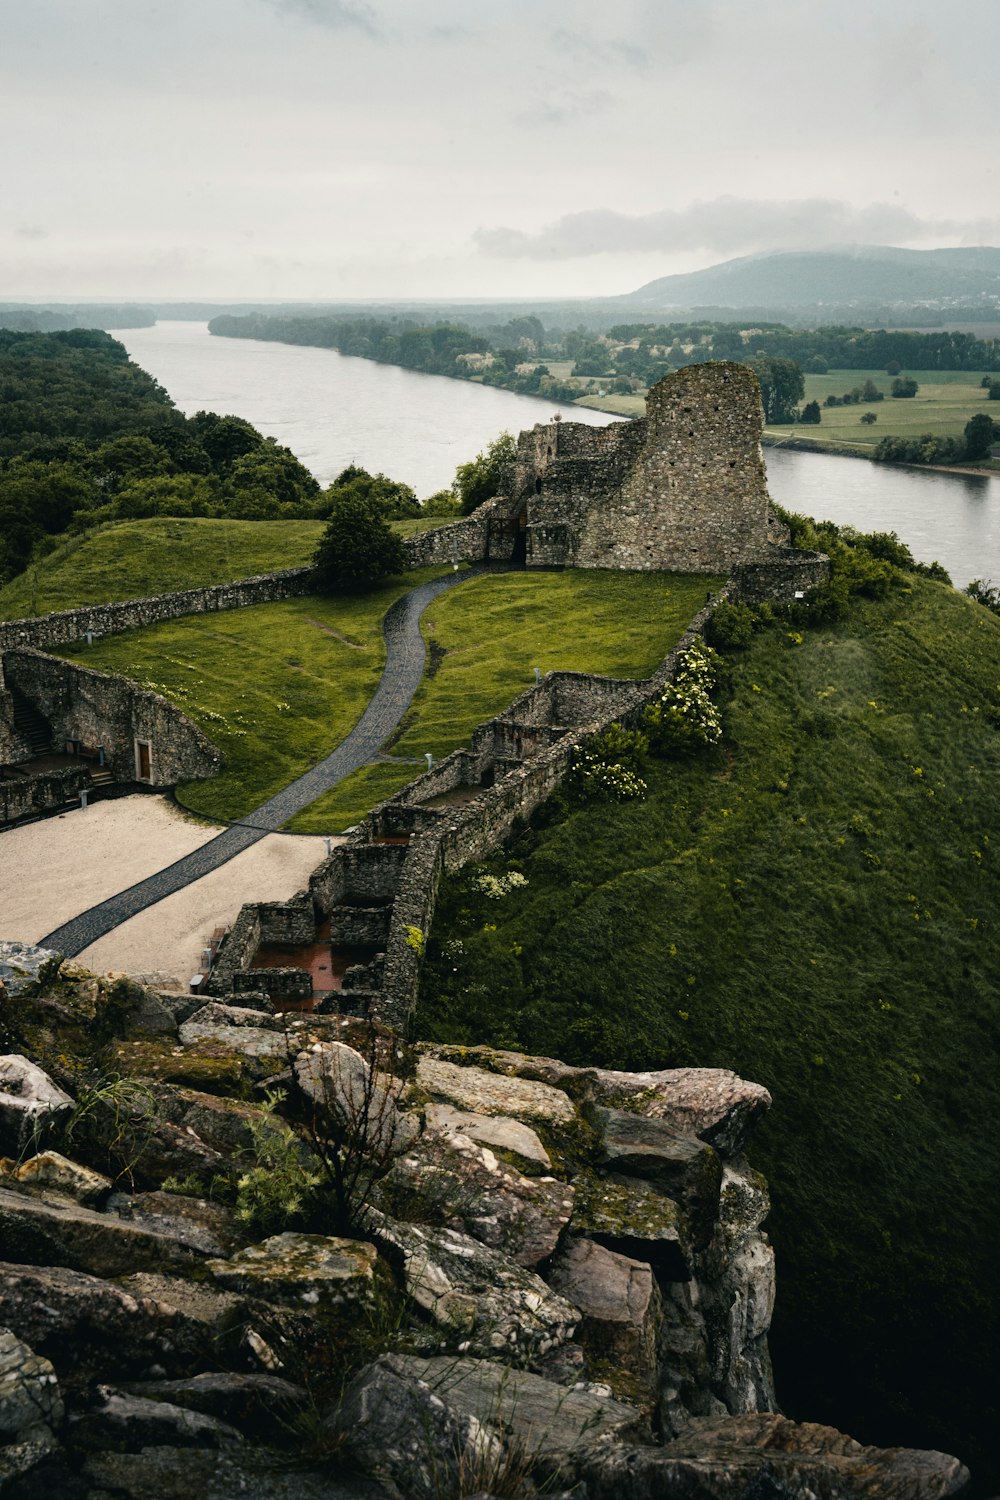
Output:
x=326 y=149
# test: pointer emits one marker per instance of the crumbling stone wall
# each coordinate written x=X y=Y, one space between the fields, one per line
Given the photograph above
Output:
x=100 y=710
x=24 y=796
x=682 y=488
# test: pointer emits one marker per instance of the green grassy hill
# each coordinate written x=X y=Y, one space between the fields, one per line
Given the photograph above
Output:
x=129 y=559
x=812 y=903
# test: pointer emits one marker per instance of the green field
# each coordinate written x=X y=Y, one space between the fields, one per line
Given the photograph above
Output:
x=486 y=638
x=945 y=401
x=277 y=686
x=813 y=904
x=130 y=559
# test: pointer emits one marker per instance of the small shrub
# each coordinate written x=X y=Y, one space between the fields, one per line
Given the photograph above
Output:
x=278 y=1189
x=731 y=627
x=685 y=718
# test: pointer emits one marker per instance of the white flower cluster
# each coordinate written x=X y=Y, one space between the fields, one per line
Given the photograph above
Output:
x=610 y=782
x=685 y=715
x=498 y=886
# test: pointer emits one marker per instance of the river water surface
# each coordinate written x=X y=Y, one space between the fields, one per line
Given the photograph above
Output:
x=332 y=410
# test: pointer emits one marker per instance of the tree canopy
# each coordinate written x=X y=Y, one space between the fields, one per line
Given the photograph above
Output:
x=357 y=549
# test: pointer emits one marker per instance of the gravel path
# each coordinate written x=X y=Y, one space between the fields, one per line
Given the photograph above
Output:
x=400 y=679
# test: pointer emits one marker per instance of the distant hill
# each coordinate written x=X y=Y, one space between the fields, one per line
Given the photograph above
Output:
x=53 y=317
x=856 y=278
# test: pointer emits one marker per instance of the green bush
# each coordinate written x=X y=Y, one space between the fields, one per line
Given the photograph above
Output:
x=357 y=549
x=731 y=627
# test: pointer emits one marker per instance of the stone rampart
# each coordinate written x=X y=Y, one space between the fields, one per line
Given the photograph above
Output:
x=98 y=711
x=69 y=625
x=26 y=796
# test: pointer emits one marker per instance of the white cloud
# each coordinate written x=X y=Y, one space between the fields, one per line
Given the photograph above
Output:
x=332 y=13
x=725 y=225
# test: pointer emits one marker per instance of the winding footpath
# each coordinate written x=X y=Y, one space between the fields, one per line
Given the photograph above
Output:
x=404 y=666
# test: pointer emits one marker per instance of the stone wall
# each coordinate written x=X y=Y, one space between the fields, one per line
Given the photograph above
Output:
x=26 y=796
x=682 y=488
x=71 y=625
x=99 y=710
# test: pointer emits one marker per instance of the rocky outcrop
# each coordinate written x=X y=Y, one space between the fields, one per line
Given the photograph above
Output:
x=460 y=1271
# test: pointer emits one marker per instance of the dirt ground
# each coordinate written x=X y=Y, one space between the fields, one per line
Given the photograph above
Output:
x=52 y=870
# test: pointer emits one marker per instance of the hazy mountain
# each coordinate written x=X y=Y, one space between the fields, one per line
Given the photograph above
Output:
x=861 y=276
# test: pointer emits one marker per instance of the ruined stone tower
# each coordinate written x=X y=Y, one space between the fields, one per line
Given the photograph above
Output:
x=681 y=488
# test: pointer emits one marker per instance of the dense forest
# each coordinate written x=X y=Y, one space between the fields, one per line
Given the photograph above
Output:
x=56 y=316
x=86 y=436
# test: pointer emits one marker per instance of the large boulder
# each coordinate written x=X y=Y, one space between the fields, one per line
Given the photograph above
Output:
x=728 y=1458
x=56 y=1173
x=451 y=1180
x=484 y=1093
x=303 y=1270
x=500 y=1132
x=633 y=1219
x=24 y=968
x=463 y=1426
x=67 y=1234
x=31 y=1105
x=349 y=1099
x=486 y=1302
x=123 y=1422
x=620 y=1303
x=96 y=1330
x=682 y=1166
x=712 y=1103
x=31 y=1409
x=263 y=1407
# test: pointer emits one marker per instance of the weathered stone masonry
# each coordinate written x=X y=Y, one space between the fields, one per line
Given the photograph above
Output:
x=683 y=488
x=103 y=711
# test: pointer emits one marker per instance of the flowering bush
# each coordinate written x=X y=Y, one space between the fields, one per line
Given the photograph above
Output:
x=498 y=886
x=594 y=777
x=685 y=718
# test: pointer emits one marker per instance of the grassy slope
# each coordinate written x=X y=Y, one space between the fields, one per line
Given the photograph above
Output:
x=133 y=558
x=492 y=633
x=814 y=905
x=276 y=687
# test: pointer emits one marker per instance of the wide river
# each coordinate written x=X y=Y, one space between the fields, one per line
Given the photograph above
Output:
x=332 y=410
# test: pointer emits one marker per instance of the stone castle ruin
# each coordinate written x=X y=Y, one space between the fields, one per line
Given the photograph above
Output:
x=682 y=488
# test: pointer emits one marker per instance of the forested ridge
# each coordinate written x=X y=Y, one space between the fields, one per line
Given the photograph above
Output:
x=86 y=436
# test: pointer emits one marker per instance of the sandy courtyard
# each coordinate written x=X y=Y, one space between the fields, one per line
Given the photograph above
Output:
x=53 y=870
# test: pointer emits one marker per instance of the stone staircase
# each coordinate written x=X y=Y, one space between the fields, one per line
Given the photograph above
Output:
x=30 y=725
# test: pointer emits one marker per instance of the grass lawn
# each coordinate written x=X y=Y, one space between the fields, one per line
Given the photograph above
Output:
x=484 y=641
x=945 y=401
x=813 y=904
x=129 y=559
x=276 y=687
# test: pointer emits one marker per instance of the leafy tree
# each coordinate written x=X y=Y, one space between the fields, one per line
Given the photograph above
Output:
x=392 y=499
x=904 y=385
x=357 y=549
x=811 y=413
x=224 y=439
x=488 y=474
x=993 y=391
x=869 y=418
x=272 y=471
x=782 y=386
x=443 y=503
x=979 y=435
